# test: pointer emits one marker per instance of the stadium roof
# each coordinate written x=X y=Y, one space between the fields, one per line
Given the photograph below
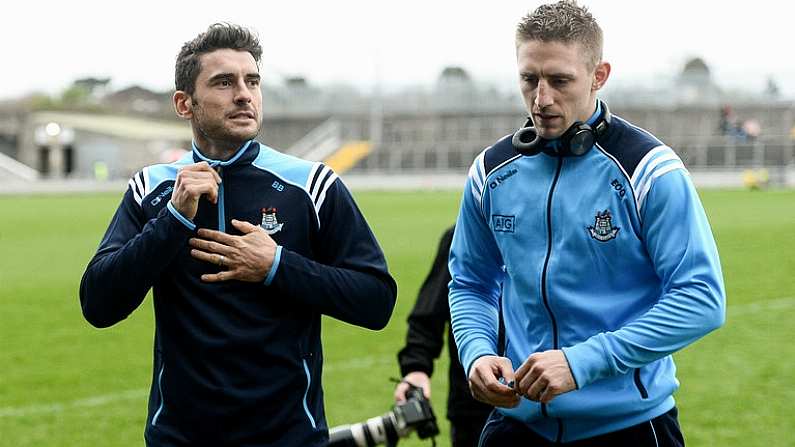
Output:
x=117 y=126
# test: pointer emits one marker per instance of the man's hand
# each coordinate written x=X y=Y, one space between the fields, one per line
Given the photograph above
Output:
x=194 y=181
x=416 y=378
x=543 y=376
x=484 y=381
x=246 y=258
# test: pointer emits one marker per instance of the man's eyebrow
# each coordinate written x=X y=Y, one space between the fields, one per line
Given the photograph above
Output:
x=220 y=76
x=253 y=76
x=559 y=75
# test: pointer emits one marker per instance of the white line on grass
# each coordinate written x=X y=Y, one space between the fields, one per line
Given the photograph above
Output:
x=58 y=407
x=356 y=363
x=104 y=399
x=775 y=304
x=331 y=367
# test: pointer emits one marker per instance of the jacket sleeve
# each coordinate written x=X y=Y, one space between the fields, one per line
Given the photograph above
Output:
x=429 y=317
x=131 y=256
x=476 y=269
x=679 y=241
x=349 y=279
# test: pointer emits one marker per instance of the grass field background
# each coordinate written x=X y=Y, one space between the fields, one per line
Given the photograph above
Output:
x=64 y=383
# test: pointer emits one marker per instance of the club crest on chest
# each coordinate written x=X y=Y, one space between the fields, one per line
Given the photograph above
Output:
x=603 y=229
x=269 y=221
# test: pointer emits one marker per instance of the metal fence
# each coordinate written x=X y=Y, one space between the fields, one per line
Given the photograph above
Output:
x=411 y=143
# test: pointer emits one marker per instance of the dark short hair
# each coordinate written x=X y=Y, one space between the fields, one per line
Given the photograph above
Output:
x=564 y=21
x=217 y=37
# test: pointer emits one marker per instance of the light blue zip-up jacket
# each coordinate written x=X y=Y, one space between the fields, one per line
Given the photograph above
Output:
x=607 y=256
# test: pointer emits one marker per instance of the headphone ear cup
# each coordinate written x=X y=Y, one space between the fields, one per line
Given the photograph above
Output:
x=526 y=141
x=577 y=140
x=581 y=142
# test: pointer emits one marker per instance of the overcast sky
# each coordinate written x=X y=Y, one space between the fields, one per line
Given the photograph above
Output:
x=46 y=45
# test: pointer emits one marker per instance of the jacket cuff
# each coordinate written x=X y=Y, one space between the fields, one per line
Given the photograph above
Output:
x=409 y=367
x=184 y=220
x=275 y=266
x=587 y=361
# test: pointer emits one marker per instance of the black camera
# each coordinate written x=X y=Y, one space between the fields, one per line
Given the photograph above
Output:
x=415 y=414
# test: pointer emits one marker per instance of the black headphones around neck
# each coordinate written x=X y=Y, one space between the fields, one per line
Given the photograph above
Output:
x=577 y=140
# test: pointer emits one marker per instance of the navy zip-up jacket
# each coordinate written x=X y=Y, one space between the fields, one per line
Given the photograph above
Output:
x=239 y=363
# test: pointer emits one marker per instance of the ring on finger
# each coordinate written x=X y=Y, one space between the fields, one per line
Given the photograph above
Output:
x=221 y=260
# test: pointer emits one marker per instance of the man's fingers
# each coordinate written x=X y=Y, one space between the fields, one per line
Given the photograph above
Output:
x=522 y=371
x=200 y=187
x=400 y=392
x=505 y=370
x=486 y=386
x=195 y=188
x=499 y=397
x=547 y=395
x=202 y=166
x=526 y=375
x=224 y=275
x=245 y=227
x=217 y=236
x=538 y=388
x=211 y=246
x=212 y=258
x=493 y=385
x=200 y=170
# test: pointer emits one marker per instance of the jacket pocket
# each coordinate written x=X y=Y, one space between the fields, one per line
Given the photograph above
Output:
x=639 y=385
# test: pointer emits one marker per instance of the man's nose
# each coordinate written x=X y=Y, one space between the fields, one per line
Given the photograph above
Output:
x=543 y=95
x=242 y=93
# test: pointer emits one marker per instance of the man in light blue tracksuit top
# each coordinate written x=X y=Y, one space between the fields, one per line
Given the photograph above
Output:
x=592 y=231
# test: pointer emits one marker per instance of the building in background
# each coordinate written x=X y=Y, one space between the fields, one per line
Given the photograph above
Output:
x=428 y=131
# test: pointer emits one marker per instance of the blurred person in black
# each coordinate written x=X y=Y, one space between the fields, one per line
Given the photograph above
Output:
x=424 y=341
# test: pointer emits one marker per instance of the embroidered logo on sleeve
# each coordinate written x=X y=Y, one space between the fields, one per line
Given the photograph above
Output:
x=269 y=222
x=603 y=229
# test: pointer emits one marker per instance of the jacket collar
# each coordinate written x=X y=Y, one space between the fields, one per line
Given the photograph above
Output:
x=245 y=153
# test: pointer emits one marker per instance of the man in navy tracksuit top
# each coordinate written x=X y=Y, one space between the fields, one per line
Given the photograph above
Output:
x=605 y=257
x=244 y=248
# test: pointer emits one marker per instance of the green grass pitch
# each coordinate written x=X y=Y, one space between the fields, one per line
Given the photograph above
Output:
x=63 y=383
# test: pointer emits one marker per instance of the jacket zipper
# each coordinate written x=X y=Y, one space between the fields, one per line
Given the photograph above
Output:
x=306 y=393
x=642 y=389
x=160 y=393
x=544 y=281
x=221 y=217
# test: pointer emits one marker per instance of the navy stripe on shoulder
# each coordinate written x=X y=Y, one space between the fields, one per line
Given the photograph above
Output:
x=627 y=143
x=498 y=154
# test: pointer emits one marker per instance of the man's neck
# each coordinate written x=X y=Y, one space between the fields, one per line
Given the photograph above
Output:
x=216 y=150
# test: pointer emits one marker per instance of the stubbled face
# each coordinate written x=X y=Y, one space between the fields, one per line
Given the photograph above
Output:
x=227 y=101
x=557 y=85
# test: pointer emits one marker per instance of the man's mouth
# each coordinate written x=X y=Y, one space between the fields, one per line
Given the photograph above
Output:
x=545 y=117
x=242 y=115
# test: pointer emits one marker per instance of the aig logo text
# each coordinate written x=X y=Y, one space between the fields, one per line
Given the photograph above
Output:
x=503 y=223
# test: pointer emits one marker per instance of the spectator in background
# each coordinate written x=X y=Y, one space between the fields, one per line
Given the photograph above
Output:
x=429 y=321
x=729 y=124
x=742 y=130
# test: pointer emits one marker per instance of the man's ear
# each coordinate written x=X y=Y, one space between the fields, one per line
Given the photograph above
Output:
x=183 y=105
x=601 y=73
